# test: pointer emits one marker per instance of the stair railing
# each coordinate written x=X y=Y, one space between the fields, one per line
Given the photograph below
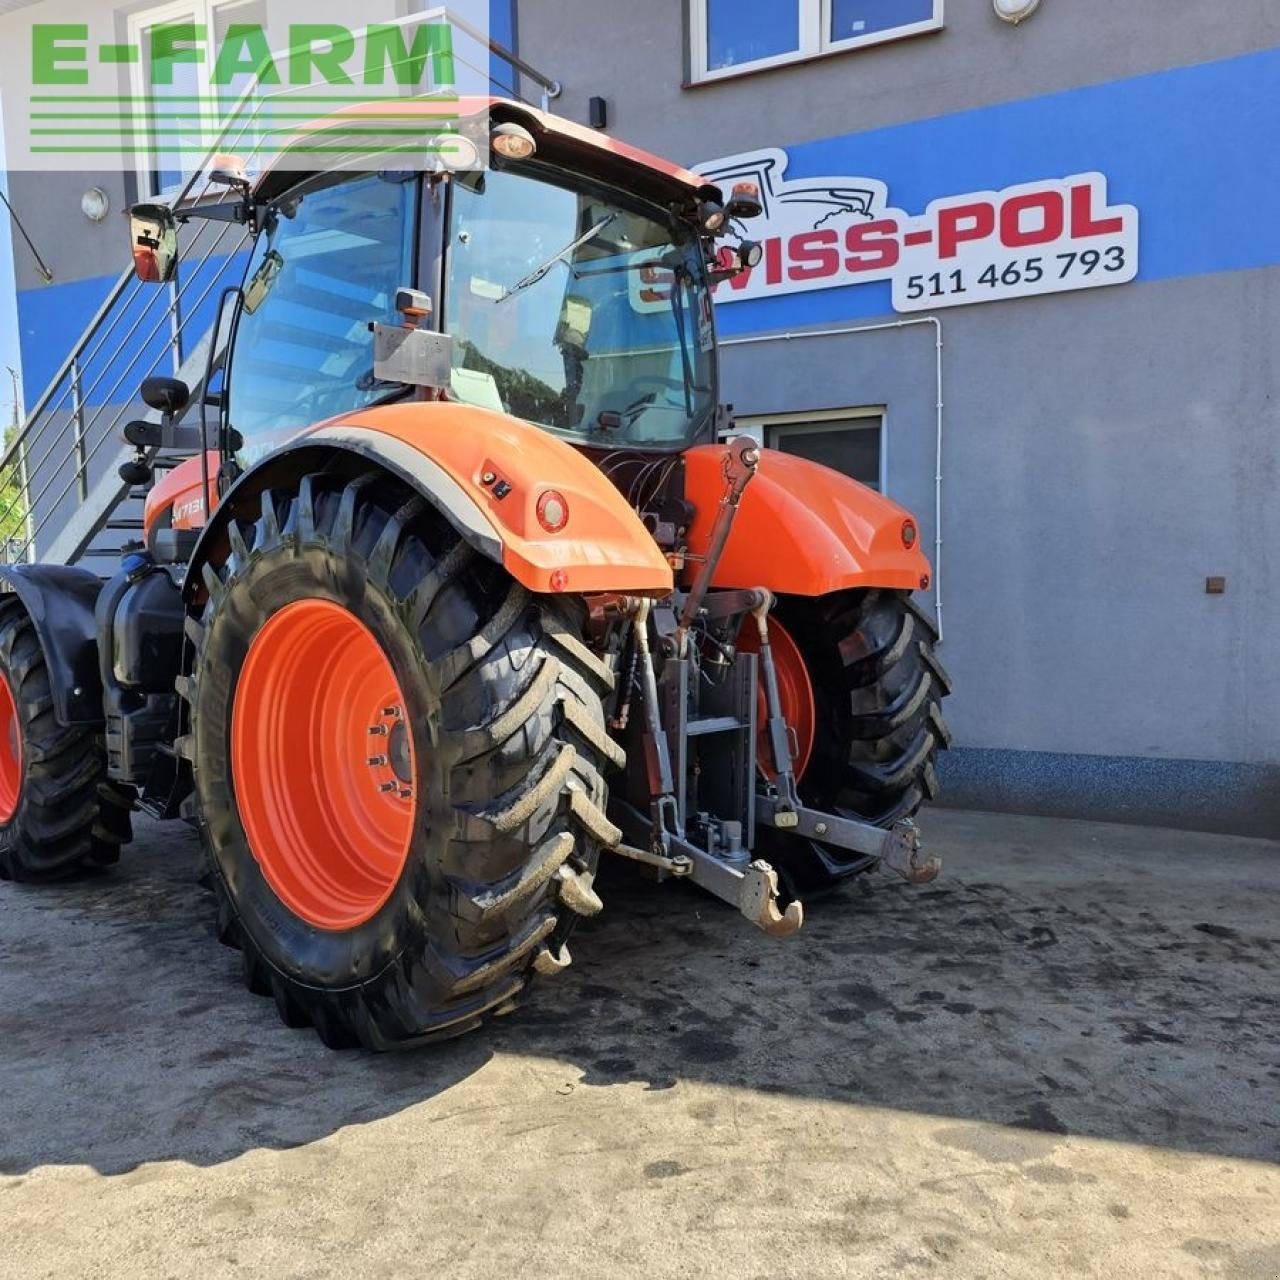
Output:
x=84 y=410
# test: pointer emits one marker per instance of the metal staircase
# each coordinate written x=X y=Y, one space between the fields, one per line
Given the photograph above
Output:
x=59 y=472
x=109 y=518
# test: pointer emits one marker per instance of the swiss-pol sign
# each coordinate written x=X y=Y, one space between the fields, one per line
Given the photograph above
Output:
x=1050 y=236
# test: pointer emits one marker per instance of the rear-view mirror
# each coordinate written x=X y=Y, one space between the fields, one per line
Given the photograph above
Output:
x=264 y=280
x=153 y=236
x=575 y=322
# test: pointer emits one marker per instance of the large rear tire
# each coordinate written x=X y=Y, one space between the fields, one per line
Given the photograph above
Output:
x=877 y=689
x=393 y=872
x=58 y=812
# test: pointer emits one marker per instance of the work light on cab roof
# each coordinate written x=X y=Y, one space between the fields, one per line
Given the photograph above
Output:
x=513 y=142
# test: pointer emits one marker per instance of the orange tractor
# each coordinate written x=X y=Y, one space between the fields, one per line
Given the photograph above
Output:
x=473 y=585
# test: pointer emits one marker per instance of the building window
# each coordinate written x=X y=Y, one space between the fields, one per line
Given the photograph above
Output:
x=730 y=37
x=846 y=440
x=744 y=32
x=185 y=110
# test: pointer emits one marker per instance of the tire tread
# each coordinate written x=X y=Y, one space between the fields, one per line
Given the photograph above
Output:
x=522 y=737
x=70 y=816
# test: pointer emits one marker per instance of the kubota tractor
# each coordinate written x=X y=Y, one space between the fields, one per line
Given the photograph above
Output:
x=472 y=585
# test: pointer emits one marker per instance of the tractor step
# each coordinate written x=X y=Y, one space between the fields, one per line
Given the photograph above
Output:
x=714 y=724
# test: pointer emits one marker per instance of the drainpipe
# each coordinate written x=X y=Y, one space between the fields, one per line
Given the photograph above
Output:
x=937 y=478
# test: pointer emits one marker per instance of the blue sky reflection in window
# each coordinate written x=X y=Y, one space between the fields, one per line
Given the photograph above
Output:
x=853 y=19
x=742 y=31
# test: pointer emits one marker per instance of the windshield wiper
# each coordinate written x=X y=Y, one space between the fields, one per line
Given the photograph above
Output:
x=387 y=391
x=616 y=419
x=541 y=272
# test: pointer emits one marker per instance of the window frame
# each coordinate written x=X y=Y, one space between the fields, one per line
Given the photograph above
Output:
x=815 y=24
x=764 y=428
x=139 y=22
x=307 y=185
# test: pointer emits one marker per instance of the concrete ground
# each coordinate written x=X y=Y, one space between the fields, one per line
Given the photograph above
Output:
x=1061 y=1059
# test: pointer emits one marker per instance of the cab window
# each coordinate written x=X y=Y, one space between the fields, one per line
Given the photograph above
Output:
x=329 y=263
x=578 y=308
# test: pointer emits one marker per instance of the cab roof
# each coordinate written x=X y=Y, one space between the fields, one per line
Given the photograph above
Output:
x=559 y=141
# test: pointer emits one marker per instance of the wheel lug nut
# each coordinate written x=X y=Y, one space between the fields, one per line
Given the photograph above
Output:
x=375 y=761
x=394 y=712
x=387 y=787
x=406 y=795
x=378 y=731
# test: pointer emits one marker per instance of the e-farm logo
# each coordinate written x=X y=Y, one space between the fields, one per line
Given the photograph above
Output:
x=318 y=53
x=156 y=90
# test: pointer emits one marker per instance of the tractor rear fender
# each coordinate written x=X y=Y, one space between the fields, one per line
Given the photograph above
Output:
x=59 y=600
x=487 y=474
x=803 y=529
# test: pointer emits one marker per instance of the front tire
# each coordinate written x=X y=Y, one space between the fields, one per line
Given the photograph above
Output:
x=58 y=812
x=391 y=892
x=877 y=690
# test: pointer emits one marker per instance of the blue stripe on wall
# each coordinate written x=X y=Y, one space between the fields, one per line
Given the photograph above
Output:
x=502 y=28
x=1185 y=795
x=1194 y=149
x=52 y=318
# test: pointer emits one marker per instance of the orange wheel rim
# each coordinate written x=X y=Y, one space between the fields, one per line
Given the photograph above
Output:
x=795 y=692
x=10 y=752
x=323 y=766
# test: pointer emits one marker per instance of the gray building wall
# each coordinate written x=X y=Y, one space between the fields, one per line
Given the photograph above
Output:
x=1105 y=451
x=634 y=56
x=73 y=247
x=1083 y=508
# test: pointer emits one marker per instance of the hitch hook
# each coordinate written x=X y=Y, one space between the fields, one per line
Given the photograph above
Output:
x=903 y=855
x=758 y=901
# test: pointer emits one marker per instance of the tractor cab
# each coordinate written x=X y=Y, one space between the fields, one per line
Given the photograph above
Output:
x=567 y=284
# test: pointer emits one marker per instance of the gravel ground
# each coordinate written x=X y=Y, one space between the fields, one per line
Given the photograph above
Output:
x=1063 y=1058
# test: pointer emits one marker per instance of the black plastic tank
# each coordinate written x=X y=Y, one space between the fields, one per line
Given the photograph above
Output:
x=140 y=634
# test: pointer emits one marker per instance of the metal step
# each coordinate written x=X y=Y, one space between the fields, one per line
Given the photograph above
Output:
x=715 y=724
x=110 y=491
